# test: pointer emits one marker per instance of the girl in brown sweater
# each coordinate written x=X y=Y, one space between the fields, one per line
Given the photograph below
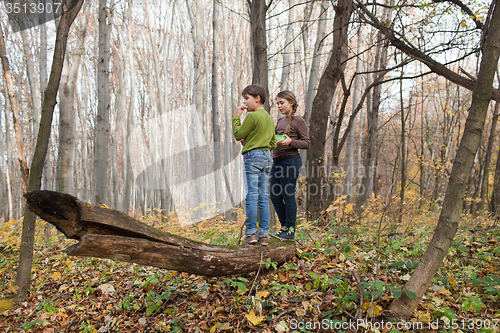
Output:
x=287 y=163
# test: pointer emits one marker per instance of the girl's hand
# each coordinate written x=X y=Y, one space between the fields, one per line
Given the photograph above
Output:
x=285 y=142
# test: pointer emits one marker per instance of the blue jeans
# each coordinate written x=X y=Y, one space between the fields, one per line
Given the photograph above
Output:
x=284 y=175
x=257 y=168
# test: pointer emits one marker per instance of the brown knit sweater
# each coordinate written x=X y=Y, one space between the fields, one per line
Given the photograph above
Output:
x=299 y=133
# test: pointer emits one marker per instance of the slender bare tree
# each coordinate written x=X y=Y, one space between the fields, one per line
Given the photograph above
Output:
x=23 y=278
x=452 y=207
x=314 y=74
x=67 y=113
x=316 y=176
x=14 y=107
x=102 y=122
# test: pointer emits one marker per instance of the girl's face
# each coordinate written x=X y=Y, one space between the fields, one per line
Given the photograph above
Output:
x=284 y=106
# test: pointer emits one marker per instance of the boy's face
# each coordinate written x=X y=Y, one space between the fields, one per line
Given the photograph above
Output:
x=252 y=103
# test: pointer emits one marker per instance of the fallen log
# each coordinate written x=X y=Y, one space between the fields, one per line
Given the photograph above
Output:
x=108 y=233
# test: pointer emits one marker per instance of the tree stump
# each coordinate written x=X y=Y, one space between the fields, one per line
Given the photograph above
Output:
x=108 y=233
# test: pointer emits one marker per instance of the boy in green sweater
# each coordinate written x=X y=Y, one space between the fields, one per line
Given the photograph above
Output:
x=257 y=133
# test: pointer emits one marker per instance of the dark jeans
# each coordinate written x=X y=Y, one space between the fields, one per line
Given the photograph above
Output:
x=284 y=174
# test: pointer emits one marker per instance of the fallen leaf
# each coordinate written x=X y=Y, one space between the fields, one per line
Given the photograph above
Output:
x=445 y=292
x=282 y=326
x=56 y=276
x=106 y=289
x=253 y=318
x=300 y=312
x=315 y=302
x=6 y=304
x=263 y=294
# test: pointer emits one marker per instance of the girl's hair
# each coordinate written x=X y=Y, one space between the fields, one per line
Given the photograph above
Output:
x=255 y=90
x=290 y=97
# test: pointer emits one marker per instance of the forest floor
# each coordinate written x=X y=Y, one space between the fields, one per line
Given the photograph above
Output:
x=316 y=291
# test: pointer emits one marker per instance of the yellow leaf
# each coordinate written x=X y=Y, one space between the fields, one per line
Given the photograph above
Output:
x=348 y=208
x=342 y=257
x=372 y=309
x=253 y=318
x=56 y=276
x=444 y=292
x=263 y=294
x=12 y=287
x=424 y=317
x=6 y=304
x=315 y=302
x=492 y=241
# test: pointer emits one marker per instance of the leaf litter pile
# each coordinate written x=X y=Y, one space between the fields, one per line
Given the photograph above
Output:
x=342 y=272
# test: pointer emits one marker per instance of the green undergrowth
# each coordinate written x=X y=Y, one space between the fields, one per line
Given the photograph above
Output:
x=316 y=291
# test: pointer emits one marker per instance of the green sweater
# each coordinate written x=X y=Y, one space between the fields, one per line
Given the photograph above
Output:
x=257 y=131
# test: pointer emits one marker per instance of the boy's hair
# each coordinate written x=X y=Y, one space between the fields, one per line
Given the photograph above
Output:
x=255 y=90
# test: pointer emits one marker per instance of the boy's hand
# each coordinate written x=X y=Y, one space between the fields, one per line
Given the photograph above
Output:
x=240 y=109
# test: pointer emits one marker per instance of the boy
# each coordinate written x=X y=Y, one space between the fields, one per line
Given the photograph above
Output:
x=257 y=133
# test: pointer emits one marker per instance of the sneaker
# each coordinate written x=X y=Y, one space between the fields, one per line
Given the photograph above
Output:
x=284 y=234
x=251 y=239
x=264 y=241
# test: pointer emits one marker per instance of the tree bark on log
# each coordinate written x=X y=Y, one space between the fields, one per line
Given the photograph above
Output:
x=108 y=233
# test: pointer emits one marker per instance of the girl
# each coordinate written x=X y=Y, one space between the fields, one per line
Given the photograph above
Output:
x=287 y=163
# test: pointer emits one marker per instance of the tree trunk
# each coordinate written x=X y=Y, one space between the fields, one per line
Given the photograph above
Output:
x=316 y=174
x=199 y=76
x=32 y=78
x=448 y=222
x=229 y=143
x=487 y=160
x=215 y=109
x=351 y=137
x=102 y=122
x=107 y=233
x=127 y=191
x=305 y=39
x=421 y=159
x=258 y=10
x=8 y=156
x=50 y=97
x=287 y=52
x=495 y=196
x=316 y=60
x=43 y=60
x=403 y=151
x=366 y=189
x=67 y=114
x=14 y=106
